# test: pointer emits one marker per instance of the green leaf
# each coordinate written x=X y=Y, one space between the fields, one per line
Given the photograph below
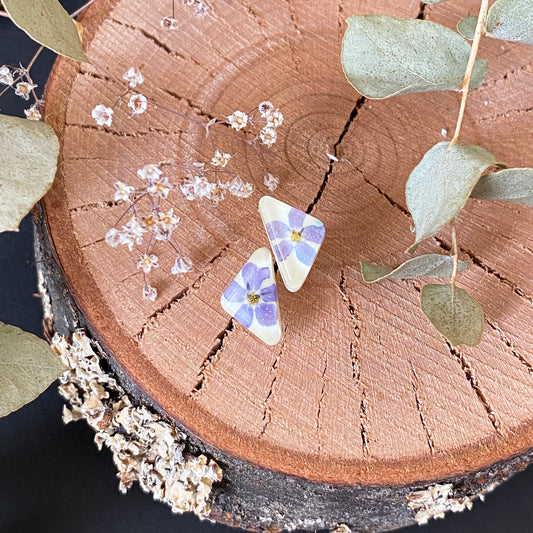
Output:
x=46 y=22
x=456 y=315
x=511 y=20
x=467 y=27
x=440 y=184
x=28 y=160
x=431 y=265
x=383 y=56
x=27 y=367
x=511 y=185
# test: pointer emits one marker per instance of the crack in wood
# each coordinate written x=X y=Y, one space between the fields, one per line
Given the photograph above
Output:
x=415 y=383
x=363 y=421
x=474 y=383
x=212 y=357
x=356 y=323
x=92 y=206
x=183 y=293
x=528 y=366
x=194 y=107
x=358 y=104
x=476 y=261
x=267 y=411
x=422 y=11
x=114 y=133
x=321 y=399
x=505 y=114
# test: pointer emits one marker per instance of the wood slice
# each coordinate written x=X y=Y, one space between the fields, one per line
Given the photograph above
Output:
x=362 y=401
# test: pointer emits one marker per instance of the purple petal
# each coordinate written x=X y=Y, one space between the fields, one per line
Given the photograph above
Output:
x=269 y=294
x=296 y=219
x=283 y=249
x=277 y=230
x=305 y=253
x=235 y=293
x=314 y=233
x=245 y=315
x=253 y=276
x=266 y=314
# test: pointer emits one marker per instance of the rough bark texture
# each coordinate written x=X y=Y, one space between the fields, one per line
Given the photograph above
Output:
x=362 y=402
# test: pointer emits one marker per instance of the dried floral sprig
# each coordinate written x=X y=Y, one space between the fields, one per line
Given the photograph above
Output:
x=18 y=79
x=201 y=9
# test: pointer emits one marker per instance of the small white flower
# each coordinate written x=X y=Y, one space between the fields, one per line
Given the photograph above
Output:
x=160 y=187
x=189 y=190
x=113 y=237
x=268 y=136
x=201 y=9
x=149 y=293
x=149 y=223
x=123 y=191
x=147 y=262
x=218 y=193
x=197 y=187
x=103 y=115
x=168 y=221
x=24 y=89
x=265 y=108
x=238 y=120
x=271 y=182
x=133 y=233
x=182 y=265
x=33 y=113
x=6 y=77
x=149 y=172
x=133 y=76
x=238 y=188
x=275 y=119
x=220 y=159
x=137 y=103
x=169 y=23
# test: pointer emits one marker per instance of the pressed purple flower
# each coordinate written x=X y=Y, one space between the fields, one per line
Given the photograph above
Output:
x=256 y=300
x=295 y=237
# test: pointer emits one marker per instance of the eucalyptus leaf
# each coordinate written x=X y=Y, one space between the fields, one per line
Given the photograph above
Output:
x=28 y=160
x=27 y=367
x=440 y=184
x=455 y=314
x=383 y=56
x=430 y=265
x=511 y=185
x=467 y=27
x=46 y=22
x=511 y=20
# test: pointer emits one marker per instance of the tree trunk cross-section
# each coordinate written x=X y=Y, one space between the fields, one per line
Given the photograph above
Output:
x=361 y=391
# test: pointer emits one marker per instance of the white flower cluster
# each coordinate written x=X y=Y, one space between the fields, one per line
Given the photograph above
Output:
x=271 y=119
x=19 y=80
x=137 y=102
x=200 y=10
x=199 y=187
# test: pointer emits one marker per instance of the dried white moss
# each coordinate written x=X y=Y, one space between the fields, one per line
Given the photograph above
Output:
x=145 y=447
x=436 y=500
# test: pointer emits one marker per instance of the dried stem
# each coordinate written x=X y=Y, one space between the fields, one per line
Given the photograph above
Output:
x=465 y=86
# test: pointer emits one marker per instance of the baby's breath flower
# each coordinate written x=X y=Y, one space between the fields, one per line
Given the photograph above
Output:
x=132 y=233
x=218 y=193
x=147 y=262
x=33 y=113
x=149 y=172
x=133 y=76
x=275 y=119
x=220 y=159
x=149 y=293
x=123 y=191
x=24 y=89
x=268 y=136
x=169 y=23
x=238 y=188
x=6 y=77
x=238 y=120
x=197 y=187
x=181 y=265
x=168 y=221
x=137 y=103
x=113 y=237
x=160 y=187
x=103 y=115
x=271 y=182
x=149 y=223
x=201 y=9
x=265 y=108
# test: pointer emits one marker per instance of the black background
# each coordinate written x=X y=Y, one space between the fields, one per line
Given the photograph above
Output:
x=53 y=479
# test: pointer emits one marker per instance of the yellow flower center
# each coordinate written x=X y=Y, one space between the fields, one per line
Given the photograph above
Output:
x=253 y=298
x=150 y=221
x=296 y=236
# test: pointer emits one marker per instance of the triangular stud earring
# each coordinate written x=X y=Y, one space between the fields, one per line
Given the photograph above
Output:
x=252 y=297
x=295 y=238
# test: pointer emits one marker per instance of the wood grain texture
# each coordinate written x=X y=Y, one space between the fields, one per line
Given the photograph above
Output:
x=361 y=390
